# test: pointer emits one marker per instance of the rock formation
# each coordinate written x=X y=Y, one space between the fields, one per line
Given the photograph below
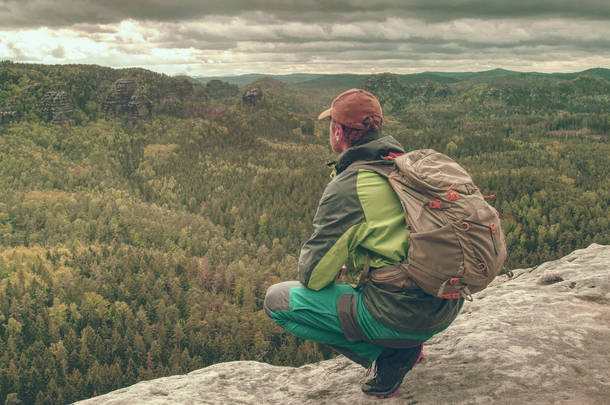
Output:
x=139 y=105
x=7 y=116
x=542 y=337
x=252 y=96
x=119 y=96
x=125 y=98
x=57 y=107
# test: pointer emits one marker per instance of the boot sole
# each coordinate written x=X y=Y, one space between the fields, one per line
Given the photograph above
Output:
x=383 y=396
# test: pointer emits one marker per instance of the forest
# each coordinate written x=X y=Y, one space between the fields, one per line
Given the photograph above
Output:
x=142 y=216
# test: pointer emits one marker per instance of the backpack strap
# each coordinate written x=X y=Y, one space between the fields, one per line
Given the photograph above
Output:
x=390 y=278
x=382 y=167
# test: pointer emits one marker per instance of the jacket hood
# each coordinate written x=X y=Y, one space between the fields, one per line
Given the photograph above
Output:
x=369 y=148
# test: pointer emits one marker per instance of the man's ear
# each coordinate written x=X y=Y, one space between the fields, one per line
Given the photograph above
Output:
x=339 y=132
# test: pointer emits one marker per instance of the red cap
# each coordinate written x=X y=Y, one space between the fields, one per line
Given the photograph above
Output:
x=355 y=108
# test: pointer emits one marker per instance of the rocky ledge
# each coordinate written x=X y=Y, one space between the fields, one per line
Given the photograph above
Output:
x=542 y=337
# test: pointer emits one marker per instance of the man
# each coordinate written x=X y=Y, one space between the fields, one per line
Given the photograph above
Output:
x=359 y=222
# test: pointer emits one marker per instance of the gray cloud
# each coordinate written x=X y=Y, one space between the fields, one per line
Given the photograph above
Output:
x=58 y=52
x=436 y=38
x=89 y=28
x=19 y=55
x=57 y=13
x=308 y=35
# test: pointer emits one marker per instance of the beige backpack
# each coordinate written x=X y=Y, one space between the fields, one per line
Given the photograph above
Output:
x=456 y=243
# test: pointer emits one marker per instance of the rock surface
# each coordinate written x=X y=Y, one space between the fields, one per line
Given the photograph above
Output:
x=57 y=107
x=125 y=97
x=120 y=96
x=252 y=96
x=542 y=337
x=7 y=116
x=139 y=105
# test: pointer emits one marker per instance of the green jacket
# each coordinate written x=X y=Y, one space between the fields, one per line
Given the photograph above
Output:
x=359 y=213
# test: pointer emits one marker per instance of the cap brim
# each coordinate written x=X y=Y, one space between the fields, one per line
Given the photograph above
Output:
x=324 y=114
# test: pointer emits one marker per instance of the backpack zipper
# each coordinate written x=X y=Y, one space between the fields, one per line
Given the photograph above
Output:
x=491 y=232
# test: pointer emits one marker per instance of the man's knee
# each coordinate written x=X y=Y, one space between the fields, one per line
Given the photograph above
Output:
x=278 y=297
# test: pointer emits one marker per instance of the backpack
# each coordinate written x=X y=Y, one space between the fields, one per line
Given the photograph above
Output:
x=456 y=243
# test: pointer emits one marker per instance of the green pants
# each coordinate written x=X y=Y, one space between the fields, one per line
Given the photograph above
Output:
x=335 y=316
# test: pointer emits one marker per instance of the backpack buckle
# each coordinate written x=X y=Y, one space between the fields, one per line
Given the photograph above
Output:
x=435 y=205
x=452 y=195
x=392 y=156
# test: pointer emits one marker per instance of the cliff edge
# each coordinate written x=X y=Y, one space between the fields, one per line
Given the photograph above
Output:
x=542 y=337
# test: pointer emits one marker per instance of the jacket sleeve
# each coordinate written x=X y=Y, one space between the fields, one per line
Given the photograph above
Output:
x=339 y=225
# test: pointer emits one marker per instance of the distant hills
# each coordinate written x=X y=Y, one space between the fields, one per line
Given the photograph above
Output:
x=79 y=93
x=242 y=80
x=307 y=80
x=82 y=93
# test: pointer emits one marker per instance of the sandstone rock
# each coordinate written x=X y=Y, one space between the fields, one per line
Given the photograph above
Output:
x=542 y=337
x=125 y=98
x=7 y=116
x=57 y=107
x=252 y=96
x=139 y=105
x=119 y=96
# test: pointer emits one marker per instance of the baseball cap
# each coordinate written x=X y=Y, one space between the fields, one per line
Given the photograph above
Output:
x=355 y=108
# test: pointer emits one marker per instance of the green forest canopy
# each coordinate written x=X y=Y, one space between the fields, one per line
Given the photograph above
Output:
x=138 y=247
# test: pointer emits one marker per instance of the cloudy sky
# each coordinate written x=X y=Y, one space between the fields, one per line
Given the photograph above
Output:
x=221 y=37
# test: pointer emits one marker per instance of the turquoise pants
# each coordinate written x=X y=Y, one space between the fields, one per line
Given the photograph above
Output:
x=318 y=316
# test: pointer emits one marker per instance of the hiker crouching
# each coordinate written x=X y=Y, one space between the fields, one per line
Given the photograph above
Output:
x=361 y=220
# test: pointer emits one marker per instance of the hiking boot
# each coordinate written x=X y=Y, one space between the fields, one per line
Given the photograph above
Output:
x=390 y=368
